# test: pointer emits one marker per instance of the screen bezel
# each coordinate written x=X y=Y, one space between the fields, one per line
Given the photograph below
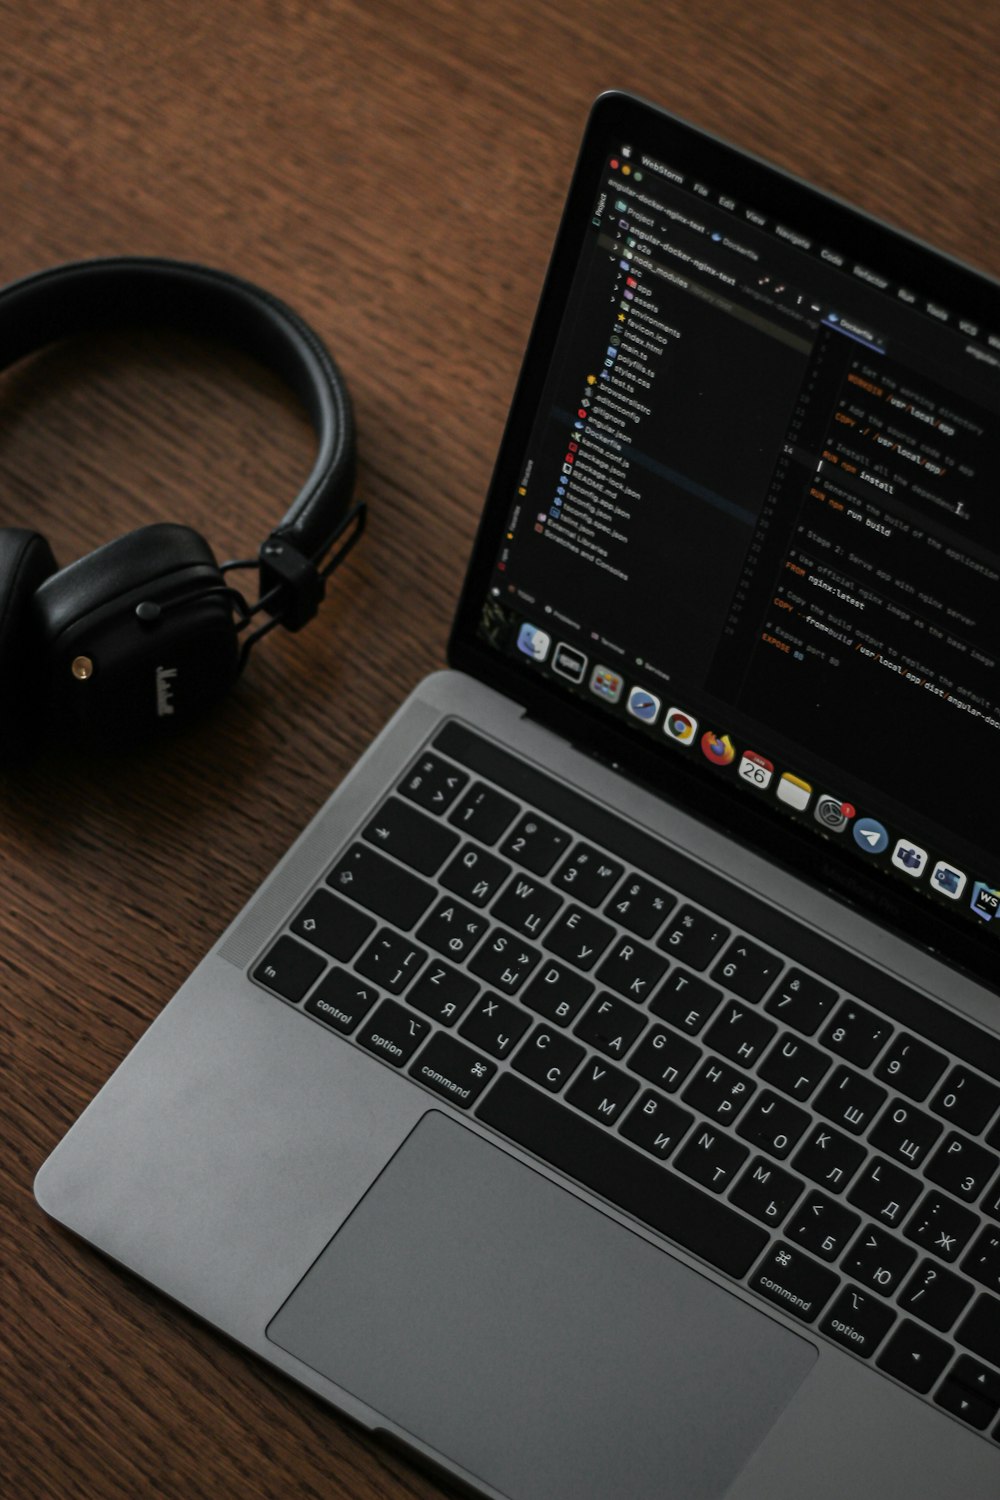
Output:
x=617 y=117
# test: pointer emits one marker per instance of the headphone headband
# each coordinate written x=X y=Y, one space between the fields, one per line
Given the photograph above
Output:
x=143 y=633
x=86 y=296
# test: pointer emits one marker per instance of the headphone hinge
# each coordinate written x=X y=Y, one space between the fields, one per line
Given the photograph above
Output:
x=294 y=582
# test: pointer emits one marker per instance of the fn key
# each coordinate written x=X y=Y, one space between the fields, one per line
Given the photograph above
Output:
x=289 y=968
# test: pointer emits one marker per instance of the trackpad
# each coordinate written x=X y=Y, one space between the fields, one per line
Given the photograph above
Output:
x=532 y=1340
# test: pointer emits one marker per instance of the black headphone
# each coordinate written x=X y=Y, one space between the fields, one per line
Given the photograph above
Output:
x=143 y=634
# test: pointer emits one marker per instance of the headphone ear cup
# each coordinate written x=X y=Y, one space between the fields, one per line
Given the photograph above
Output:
x=26 y=561
x=138 y=638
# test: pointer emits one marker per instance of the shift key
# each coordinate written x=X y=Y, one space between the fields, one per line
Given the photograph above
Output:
x=375 y=882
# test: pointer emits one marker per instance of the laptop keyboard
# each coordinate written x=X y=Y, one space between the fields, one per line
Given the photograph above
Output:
x=768 y=1101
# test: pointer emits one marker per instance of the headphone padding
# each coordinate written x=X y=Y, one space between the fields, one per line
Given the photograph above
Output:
x=149 y=556
x=26 y=561
x=138 y=638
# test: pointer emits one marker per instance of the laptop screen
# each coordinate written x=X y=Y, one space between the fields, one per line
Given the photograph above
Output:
x=745 y=524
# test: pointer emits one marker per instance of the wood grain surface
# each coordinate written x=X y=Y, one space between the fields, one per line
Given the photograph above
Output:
x=395 y=171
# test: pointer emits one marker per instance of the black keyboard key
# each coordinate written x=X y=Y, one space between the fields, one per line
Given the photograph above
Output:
x=905 y=1133
x=558 y=993
x=535 y=843
x=289 y=968
x=693 y=937
x=484 y=813
x=936 y=1295
x=766 y=1191
x=393 y=1033
x=793 y=1282
x=885 y=1192
x=878 y=1260
x=452 y=929
x=526 y=905
x=942 y=1226
x=475 y=874
x=504 y=960
x=443 y=993
x=856 y=1034
x=794 y=1066
x=632 y=969
x=911 y=1066
x=972 y=1392
x=914 y=1356
x=966 y=1100
x=977 y=1377
x=799 y=941
x=823 y=1226
x=718 y=1090
x=601 y=1091
x=685 y=1000
x=740 y=1034
x=452 y=1070
x=664 y=1058
x=983 y=1260
x=656 y=1124
x=587 y=874
x=829 y=1158
x=341 y=1000
x=549 y=1058
x=610 y=1024
x=850 y=1100
x=411 y=836
x=711 y=1157
x=333 y=925
x=391 y=960
x=640 y=905
x=747 y=969
x=962 y=1167
x=668 y=1203
x=857 y=1320
x=979 y=1330
x=381 y=886
x=991 y=1203
x=773 y=1124
x=433 y=784
x=579 y=937
x=801 y=1001
x=494 y=1024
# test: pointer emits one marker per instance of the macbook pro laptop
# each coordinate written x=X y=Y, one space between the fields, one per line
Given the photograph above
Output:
x=602 y=1096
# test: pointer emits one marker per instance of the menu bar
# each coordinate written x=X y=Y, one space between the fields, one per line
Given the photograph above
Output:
x=791 y=235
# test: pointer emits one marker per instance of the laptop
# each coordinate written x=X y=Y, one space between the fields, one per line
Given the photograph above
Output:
x=602 y=1096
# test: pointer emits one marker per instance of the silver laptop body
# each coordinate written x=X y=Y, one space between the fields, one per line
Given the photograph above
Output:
x=504 y=1117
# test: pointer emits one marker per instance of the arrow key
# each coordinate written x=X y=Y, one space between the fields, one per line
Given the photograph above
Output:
x=972 y=1392
x=914 y=1356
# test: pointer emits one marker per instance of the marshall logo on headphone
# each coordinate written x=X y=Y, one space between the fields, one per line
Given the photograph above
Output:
x=164 y=690
x=81 y=646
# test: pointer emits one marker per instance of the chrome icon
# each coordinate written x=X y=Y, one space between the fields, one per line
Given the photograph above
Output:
x=680 y=726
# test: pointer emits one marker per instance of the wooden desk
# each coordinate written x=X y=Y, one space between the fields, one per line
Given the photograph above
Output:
x=395 y=172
